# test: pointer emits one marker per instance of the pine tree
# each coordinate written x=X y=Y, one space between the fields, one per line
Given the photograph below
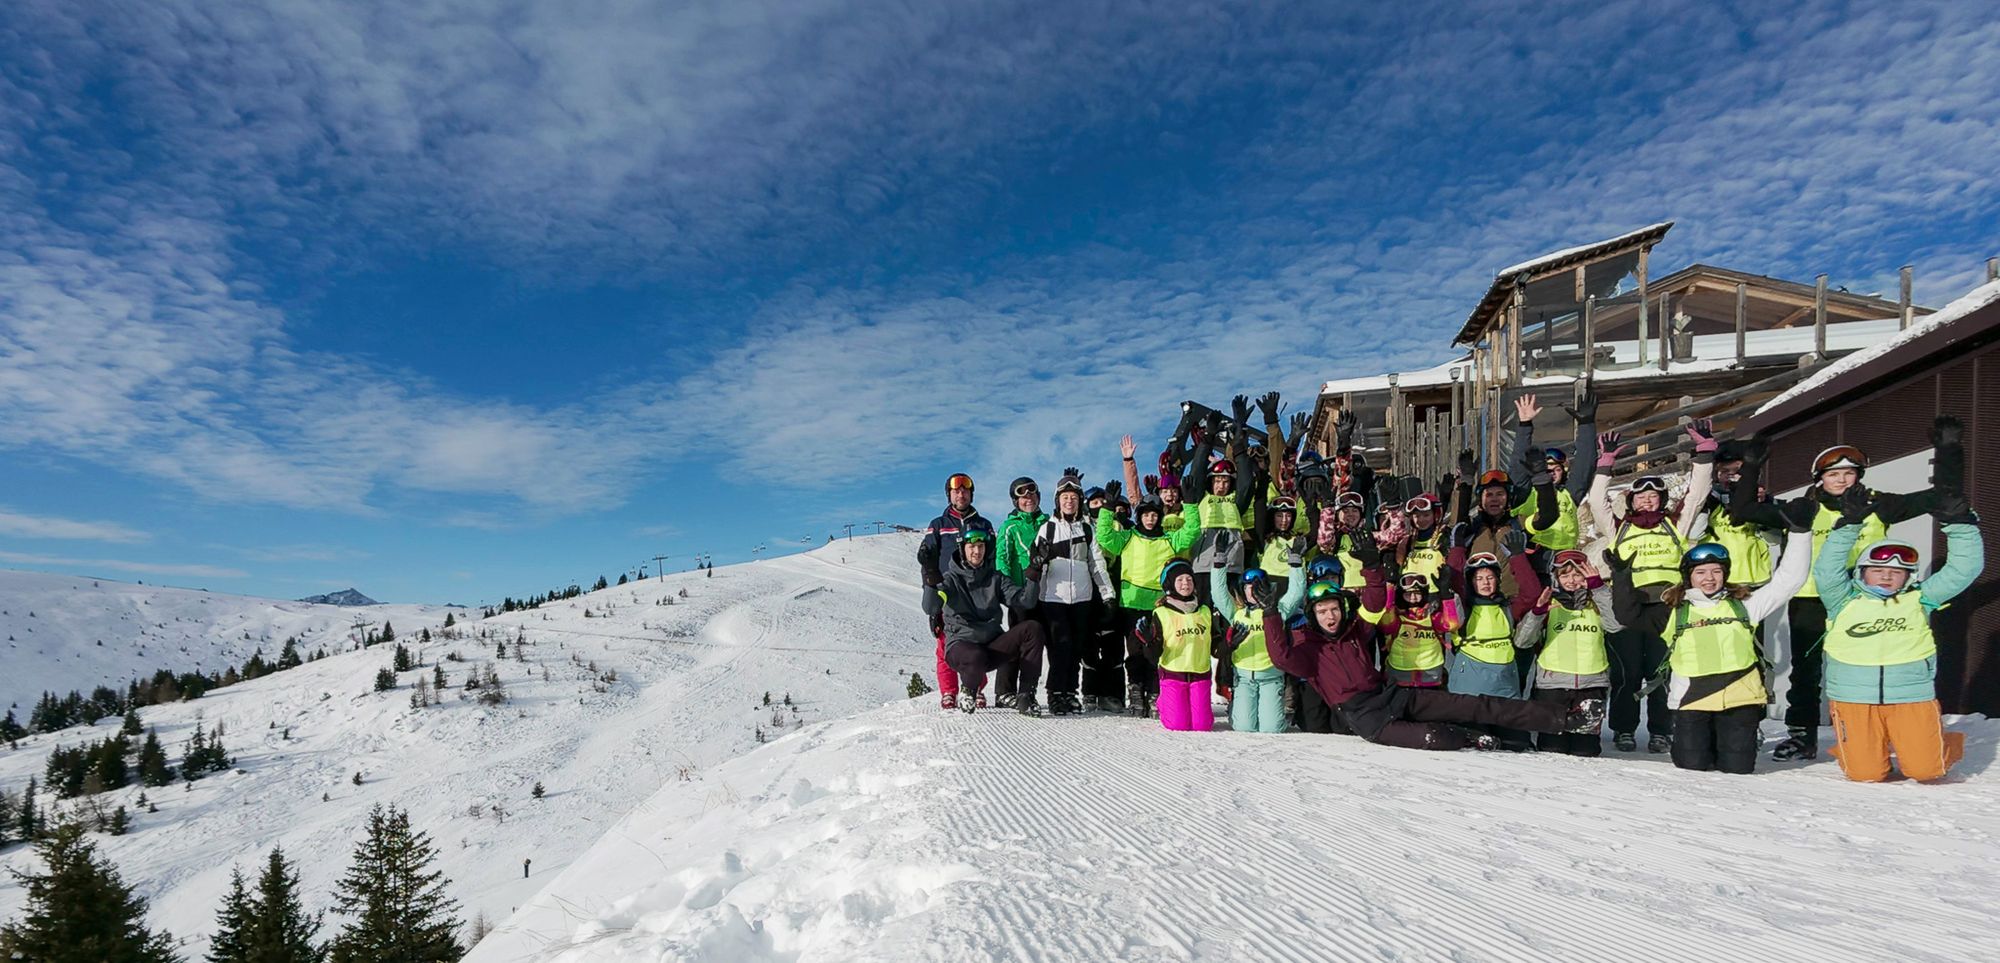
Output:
x=79 y=911
x=153 y=769
x=28 y=819
x=401 y=661
x=395 y=901
x=7 y=815
x=450 y=620
x=538 y=792
x=918 y=687
x=388 y=633
x=437 y=676
x=10 y=730
x=385 y=679
x=227 y=945
x=131 y=727
x=279 y=930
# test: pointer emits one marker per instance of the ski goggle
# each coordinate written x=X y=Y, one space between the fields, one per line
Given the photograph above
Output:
x=1494 y=477
x=1572 y=557
x=1555 y=456
x=1023 y=491
x=958 y=481
x=1253 y=575
x=1322 y=590
x=1839 y=456
x=1650 y=483
x=1892 y=554
x=1421 y=503
x=976 y=536
x=1414 y=581
x=1482 y=560
x=1353 y=500
x=1323 y=568
x=1704 y=553
x=1284 y=504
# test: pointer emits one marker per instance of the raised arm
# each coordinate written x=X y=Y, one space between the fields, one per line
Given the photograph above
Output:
x=1702 y=479
x=1965 y=558
x=1787 y=580
x=1583 y=464
x=1127 y=450
x=1110 y=537
x=1218 y=589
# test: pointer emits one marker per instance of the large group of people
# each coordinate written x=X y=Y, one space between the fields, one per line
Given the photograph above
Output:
x=1308 y=591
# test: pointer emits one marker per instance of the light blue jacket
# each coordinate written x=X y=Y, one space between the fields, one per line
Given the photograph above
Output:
x=1965 y=557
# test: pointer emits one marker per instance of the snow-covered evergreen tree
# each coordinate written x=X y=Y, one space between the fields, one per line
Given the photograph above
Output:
x=395 y=902
x=80 y=911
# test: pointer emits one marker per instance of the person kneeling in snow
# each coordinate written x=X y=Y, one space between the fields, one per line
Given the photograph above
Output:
x=1333 y=649
x=1881 y=660
x=971 y=600
x=1178 y=636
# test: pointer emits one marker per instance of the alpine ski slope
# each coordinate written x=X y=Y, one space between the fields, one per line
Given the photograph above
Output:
x=874 y=827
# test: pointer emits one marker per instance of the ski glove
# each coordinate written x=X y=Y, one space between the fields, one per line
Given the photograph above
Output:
x=1855 y=505
x=1586 y=406
x=1468 y=465
x=1514 y=540
x=1798 y=513
x=1947 y=431
x=1269 y=405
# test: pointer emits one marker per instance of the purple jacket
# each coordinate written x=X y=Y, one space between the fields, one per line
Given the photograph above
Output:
x=1338 y=668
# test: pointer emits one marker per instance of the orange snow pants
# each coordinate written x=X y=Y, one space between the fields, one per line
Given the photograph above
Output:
x=1866 y=734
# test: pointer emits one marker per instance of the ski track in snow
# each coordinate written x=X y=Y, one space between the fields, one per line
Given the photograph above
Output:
x=909 y=833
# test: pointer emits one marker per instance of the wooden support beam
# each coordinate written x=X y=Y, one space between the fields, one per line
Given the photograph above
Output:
x=1993 y=269
x=1589 y=336
x=1793 y=318
x=1666 y=354
x=1514 y=334
x=1742 y=319
x=1819 y=316
x=1903 y=311
x=1645 y=254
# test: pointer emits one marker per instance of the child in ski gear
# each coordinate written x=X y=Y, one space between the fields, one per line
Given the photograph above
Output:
x=1836 y=470
x=1309 y=712
x=1228 y=489
x=1482 y=658
x=1143 y=553
x=972 y=600
x=1259 y=703
x=934 y=556
x=1075 y=587
x=1178 y=636
x=1417 y=625
x=1714 y=662
x=1563 y=530
x=1567 y=629
x=1647 y=543
x=1333 y=647
x=1881 y=659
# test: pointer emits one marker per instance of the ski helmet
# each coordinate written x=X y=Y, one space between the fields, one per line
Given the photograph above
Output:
x=1647 y=483
x=1482 y=560
x=1570 y=556
x=1284 y=503
x=1091 y=494
x=1888 y=553
x=1222 y=466
x=1325 y=568
x=972 y=536
x=1350 y=499
x=1172 y=570
x=1023 y=486
x=1840 y=456
x=1069 y=483
x=1494 y=478
x=1150 y=504
x=1703 y=554
x=956 y=481
x=1424 y=502
x=1320 y=591
x=1555 y=456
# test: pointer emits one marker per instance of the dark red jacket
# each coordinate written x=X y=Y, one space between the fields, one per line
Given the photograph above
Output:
x=1338 y=667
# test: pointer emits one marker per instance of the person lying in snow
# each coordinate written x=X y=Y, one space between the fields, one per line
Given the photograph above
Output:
x=1333 y=649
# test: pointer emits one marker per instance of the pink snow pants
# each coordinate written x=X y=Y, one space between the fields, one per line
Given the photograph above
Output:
x=1184 y=704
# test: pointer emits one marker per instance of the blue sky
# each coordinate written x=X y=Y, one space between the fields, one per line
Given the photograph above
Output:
x=451 y=300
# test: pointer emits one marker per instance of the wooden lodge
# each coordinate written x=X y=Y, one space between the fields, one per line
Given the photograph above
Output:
x=1703 y=341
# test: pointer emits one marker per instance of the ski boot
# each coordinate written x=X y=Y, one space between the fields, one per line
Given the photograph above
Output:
x=979 y=698
x=1007 y=701
x=1658 y=743
x=1485 y=742
x=1625 y=742
x=947 y=701
x=1586 y=716
x=1800 y=743
x=966 y=702
x=1137 y=702
x=1025 y=704
x=1064 y=704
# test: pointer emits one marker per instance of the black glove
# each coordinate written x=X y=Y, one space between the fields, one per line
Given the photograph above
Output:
x=1040 y=552
x=1461 y=535
x=1112 y=490
x=1265 y=594
x=1033 y=571
x=1514 y=540
x=1239 y=407
x=1615 y=563
x=1947 y=431
x=1269 y=405
x=937 y=623
x=1072 y=472
x=927 y=561
x=1345 y=428
x=1388 y=491
x=1300 y=419
x=1855 y=505
x=1586 y=406
x=1212 y=423
x=1367 y=552
x=1468 y=464
x=1951 y=508
x=1799 y=513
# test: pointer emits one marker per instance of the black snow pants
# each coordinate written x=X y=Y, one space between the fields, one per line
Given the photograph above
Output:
x=1570 y=743
x=1722 y=741
x=1104 y=653
x=1070 y=626
x=1018 y=649
x=1807 y=617
x=1637 y=652
x=1412 y=718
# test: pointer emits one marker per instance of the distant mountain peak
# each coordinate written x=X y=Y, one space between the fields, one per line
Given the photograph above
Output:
x=345 y=596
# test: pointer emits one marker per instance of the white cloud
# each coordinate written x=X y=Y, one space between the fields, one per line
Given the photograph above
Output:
x=121 y=565
x=49 y=526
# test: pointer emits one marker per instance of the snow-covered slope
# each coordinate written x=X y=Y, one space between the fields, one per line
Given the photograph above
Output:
x=910 y=834
x=66 y=632
x=619 y=694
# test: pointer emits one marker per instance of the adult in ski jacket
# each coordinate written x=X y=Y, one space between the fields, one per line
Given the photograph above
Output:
x=1258 y=704
x=1017 y=531
x=934 y=555
x=1568 y=630
x=1834 y=472
x=1881 y=658
x=1333 y=648
x=1075 y=588
x=972 y=601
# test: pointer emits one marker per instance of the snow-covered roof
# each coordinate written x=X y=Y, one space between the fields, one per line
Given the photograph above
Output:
x=1712 y=352
x=1569 y=252
x=1951 y=313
